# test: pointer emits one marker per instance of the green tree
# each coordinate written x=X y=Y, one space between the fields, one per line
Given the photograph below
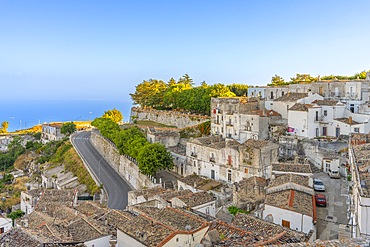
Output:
x=154 y=157
x=15 y=215
x=68 y=128
x=302 y=78
x=277 y=80
x=115 y=115
x=150 y=93
x=239 y=89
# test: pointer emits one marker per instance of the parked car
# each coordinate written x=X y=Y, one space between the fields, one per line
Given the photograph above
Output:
x=318 y=185
x=333 y=174
x=320 y=200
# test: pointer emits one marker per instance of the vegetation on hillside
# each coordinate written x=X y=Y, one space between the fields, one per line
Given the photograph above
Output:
x=277 y=80
x=132 y=142
x=203 y=129
x=62 y=153
x=114 y=114
x=15 y=149
x=182 y=95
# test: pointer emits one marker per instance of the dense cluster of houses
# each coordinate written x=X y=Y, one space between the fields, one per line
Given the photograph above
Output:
x=242 y=163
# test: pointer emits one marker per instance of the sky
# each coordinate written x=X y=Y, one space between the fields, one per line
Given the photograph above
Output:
x=100 y=50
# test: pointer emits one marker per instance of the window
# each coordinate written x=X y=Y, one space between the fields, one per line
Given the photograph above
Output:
x=282 y=93
x=317 y=116
x=325 y=112
x=285 y=223
x=229 y=176
x=356 y=130
x=246 y=170
x=229 y=161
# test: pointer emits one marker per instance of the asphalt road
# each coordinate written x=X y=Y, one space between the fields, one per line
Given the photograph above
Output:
x=335 y=212
x=116 y=187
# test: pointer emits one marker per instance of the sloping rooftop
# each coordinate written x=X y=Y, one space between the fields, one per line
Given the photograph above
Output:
x=17 y=237
x=147 y=193
x=265 y=113
x=287 y=167
x=258 y=144
x=267 y=233
x=196 y=199
x=200 y=182
x=299 y=107
x=291 y=200
x=292 y=96
x=325 y=102
x=153 y=226
x=347 y=121
x=286 y=178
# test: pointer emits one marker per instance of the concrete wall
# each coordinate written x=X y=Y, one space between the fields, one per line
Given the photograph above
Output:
x=124 y=165
x=99 y=242
x=172 y=118
x=364 y=215
x=125 y=240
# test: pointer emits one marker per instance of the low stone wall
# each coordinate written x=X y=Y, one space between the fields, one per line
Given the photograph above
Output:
x=124 y=165
x=172 y=118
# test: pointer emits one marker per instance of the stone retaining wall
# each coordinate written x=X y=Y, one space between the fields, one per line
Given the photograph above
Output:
x=124 y=165
x=172 y=118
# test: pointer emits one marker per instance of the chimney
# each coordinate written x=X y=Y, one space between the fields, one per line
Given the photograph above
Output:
x=350 y=120
x=113 y=241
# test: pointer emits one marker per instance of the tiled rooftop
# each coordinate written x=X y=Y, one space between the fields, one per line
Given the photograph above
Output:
x=267 y=233
x=291 y=200
x=289 y=178
x=168 y=195
x=346 y=121
x=153 y=226
x=258 y=144
x=299 y=107
x=265 y=113
x=287 y=167
x=325 y=102
x=176 y=219
x=251 y=189
x=17 y=237
x=147 y=193
x=196 y=199
x=292 y=96
x=200 y=182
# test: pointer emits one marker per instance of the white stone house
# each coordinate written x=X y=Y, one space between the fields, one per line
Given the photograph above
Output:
x=241 y=118
x=29 y=200
x=202 y=202
x=51 y=132
x=230 y=161
x=282 y=104
x=325 y=118
x=5 y=224
x=290 y=202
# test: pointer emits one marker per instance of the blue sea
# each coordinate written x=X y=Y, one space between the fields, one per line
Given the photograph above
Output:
x=27 y=113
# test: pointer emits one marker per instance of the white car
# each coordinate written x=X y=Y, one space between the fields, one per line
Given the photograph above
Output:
x=333 y=174
x=318 y=185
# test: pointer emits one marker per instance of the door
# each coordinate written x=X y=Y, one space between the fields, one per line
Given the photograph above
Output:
x=337 y=132
x=213 y=174
x=324 y=130
x=285 y=223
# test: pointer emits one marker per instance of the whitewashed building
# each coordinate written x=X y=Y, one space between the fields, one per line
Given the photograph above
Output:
x=228 y=160
x=290 y=202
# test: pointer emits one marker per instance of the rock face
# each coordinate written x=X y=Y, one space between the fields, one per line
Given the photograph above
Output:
x=124 y=165
x=172 y=118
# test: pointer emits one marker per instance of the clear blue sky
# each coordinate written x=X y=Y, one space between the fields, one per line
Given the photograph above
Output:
x=101 y=49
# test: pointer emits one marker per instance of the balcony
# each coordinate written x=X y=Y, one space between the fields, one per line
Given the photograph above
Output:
x=193 y=154
x=229 y=123
x=229 y=112
x=212 y=159
x=216 y=122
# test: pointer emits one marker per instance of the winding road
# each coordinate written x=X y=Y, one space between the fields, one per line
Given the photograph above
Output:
x=114 y=185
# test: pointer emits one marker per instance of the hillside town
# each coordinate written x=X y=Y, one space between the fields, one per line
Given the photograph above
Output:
x=280 y=166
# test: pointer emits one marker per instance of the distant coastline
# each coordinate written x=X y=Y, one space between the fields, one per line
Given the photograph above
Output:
x=24 y=114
